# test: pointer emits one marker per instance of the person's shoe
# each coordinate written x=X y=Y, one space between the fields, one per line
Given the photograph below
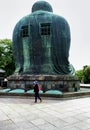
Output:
x=35 y=102
x=41 y=100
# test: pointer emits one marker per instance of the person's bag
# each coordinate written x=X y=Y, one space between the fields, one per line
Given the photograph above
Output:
x=39 y=88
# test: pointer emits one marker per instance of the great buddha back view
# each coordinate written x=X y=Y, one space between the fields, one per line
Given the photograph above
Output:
x=41 y=43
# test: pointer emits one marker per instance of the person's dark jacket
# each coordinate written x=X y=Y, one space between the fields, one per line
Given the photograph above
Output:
x=36 y=90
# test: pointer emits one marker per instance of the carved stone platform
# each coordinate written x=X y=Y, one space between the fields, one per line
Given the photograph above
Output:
x=64 y=83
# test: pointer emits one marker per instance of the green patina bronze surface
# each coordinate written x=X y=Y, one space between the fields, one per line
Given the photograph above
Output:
x=41 y=43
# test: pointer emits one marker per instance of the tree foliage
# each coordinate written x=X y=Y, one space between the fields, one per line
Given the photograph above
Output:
x=84 y=74
x=6 y=56
x=80 y=75
x=87 y=74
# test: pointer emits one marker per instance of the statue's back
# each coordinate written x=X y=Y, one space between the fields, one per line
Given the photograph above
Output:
x=44 y=40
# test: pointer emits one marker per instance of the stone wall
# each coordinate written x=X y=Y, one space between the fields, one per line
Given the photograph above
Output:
x=47 y=82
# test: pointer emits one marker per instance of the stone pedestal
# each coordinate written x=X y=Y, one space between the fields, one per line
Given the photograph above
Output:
x=64 y=83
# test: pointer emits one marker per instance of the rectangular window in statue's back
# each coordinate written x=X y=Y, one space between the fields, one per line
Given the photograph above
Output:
x=24 y=31
x=45 y=29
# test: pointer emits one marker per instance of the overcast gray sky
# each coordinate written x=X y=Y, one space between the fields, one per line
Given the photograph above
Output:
x=76 y=12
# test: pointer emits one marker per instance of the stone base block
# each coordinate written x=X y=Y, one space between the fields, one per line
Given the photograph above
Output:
x=64 y=83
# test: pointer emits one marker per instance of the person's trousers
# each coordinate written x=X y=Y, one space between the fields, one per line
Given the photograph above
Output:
x=37 y=96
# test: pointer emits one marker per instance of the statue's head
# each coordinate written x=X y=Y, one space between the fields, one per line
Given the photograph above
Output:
x=42 y=5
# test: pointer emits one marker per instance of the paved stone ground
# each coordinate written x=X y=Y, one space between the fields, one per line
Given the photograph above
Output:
x=23 y=114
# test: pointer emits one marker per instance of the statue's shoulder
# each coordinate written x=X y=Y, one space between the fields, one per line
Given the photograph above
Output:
x=22 y=21
x=59 y=18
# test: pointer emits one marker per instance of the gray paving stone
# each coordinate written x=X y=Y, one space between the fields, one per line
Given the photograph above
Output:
x=39 y=121
x=23 y=114
x=47 y=126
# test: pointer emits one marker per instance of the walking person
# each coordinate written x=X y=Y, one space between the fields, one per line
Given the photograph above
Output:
x=36 y=91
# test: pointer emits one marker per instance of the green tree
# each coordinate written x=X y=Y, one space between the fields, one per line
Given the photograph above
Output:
x=6 y=56
x=84 y=74
x=80 y=75
x=87 y=74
